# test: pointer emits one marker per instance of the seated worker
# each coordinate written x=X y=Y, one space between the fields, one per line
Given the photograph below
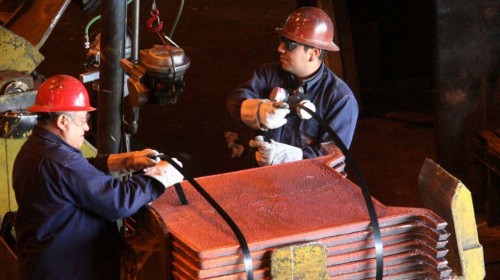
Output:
x=68 y=205
x=306 y=35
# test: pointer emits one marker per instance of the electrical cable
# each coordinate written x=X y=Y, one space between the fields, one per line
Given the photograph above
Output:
x=89 y=24
x=377 y=237
x=239 y=235
x=179 y=12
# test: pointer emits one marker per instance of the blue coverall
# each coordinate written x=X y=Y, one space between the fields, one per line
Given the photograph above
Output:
x=335 y=103
x=68 y=207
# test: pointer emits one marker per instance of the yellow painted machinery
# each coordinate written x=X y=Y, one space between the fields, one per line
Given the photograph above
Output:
x=18 y=83
x=18 y=79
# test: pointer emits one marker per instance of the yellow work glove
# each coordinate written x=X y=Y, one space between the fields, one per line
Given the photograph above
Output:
x=124 y=163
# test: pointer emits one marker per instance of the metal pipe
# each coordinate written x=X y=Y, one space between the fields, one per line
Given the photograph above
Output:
x=111 y=76
x=135 y=31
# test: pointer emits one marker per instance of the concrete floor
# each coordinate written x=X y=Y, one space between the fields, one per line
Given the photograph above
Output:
x=225 y=43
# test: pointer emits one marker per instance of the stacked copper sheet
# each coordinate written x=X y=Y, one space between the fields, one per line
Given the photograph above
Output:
x=296 y=203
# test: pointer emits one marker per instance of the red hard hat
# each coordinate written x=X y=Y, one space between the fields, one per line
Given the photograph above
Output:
x=61 y=93
x=309 y=26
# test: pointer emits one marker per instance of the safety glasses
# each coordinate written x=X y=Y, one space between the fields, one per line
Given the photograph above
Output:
x=79 y=120
x=289 y=44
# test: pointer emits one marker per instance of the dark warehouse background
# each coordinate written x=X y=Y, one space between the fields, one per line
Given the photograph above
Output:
x=226 y=42
x=393 y=44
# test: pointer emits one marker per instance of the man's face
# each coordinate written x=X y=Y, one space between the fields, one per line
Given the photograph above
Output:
x=75 y=125
x=294 y=58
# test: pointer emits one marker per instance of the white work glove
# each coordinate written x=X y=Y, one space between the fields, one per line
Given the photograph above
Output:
x=274 y=152
x=121 y=164
x=263 y=114
x=165 y=173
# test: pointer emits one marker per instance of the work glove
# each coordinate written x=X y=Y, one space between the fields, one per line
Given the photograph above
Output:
x=124 y=163
x=165 y=173
x=264 y=114
x=269 y=153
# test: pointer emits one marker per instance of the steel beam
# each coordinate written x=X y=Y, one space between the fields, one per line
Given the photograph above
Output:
x=111 y=76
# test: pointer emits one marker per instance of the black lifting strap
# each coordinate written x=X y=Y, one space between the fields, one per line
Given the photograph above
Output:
x=239 y=235
x=377 y=237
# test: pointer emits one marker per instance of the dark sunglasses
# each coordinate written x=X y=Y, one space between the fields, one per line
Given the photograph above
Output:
x=289 y=44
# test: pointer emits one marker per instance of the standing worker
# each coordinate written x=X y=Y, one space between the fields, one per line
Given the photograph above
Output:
x=306 y=35
x=68 y=205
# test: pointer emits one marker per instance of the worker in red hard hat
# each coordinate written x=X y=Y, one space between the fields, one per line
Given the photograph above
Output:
x=68 y=205
x=301 y=75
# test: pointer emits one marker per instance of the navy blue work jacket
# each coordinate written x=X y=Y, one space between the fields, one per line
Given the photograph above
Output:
x=68 y=206
x=335 y=103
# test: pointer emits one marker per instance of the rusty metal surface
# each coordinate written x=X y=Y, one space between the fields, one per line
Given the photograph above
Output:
x=37 y=20
x=337 y=256
x=267 y=204
x=15 y=82
x=182 y=273
x=295 y=203
x=348 y=262
x=402 y=264
x=17 y=101
x=17 y=53
x=413 y=267
x=450 y=198
x=9 y=10
x=8 y=266
x=144 y=254
x=391 y=235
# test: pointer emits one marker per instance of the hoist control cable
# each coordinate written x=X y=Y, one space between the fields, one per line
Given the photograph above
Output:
x=89 y=24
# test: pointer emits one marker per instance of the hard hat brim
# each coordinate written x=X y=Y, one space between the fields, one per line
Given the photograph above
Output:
x=330 y=46
x=49 y=109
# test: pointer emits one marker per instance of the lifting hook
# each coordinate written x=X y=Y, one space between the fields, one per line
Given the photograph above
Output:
x=154 y=24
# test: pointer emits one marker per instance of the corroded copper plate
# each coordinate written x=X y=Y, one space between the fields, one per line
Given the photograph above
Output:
x=390 y=234
x=356 y=254
x=288 y=204
x=294 y=202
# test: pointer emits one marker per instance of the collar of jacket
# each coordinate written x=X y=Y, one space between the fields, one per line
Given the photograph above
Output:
x=49 y=136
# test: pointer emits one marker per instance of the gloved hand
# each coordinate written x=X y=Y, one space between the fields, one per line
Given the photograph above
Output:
x=263 y=114
x=274 y=152
x=165 y=173
x=121 y=164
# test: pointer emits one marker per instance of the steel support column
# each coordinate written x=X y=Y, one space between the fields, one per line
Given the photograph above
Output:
x=111 y=76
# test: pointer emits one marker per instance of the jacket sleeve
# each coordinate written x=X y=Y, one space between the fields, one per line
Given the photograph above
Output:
x=100 y=162
x=255 y=87
x=91 y=189
x=342 y=118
